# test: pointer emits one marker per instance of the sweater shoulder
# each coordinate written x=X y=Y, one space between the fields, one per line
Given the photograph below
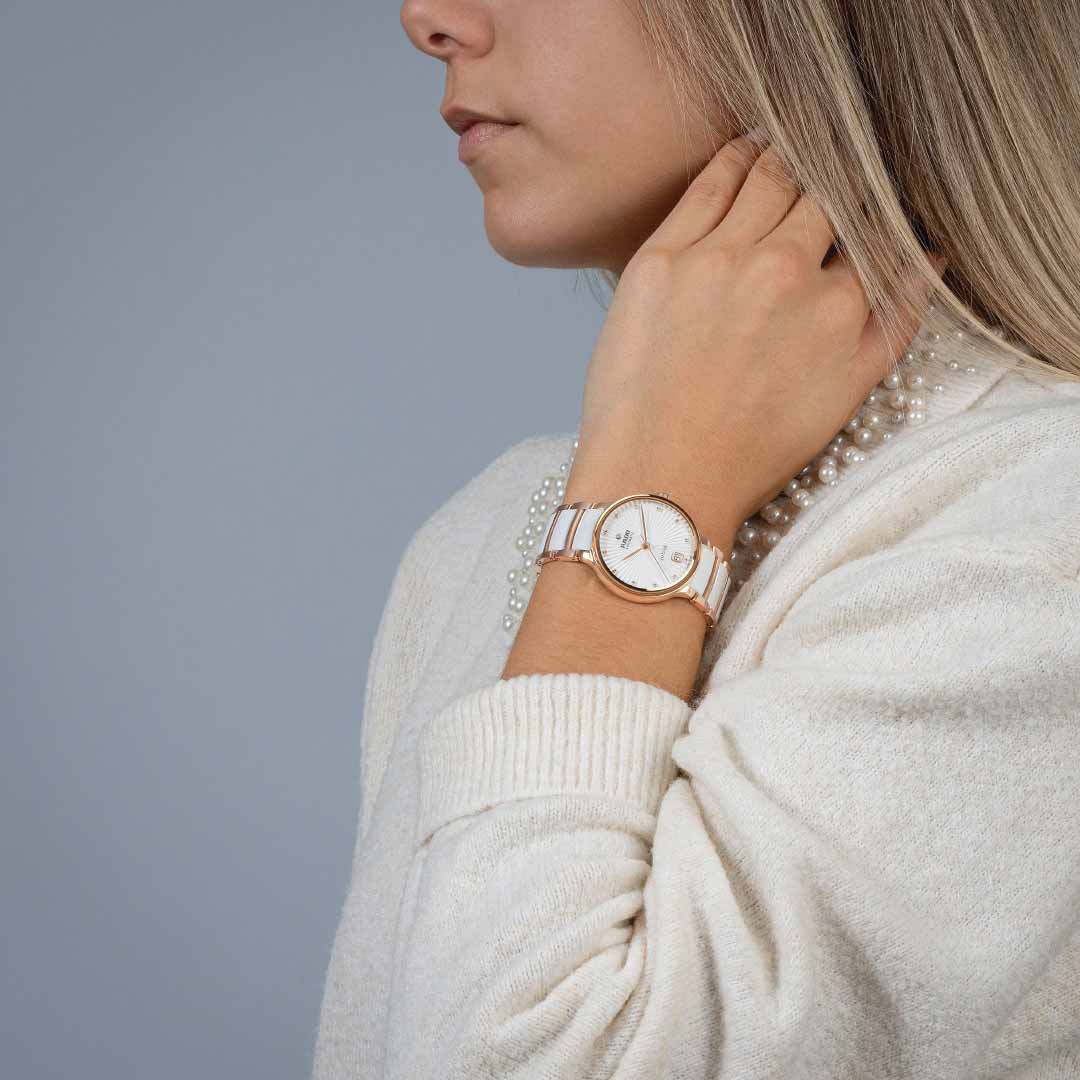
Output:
x=1016 y=455
x=504 y=483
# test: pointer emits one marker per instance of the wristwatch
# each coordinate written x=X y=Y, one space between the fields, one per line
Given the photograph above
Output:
x=644 y=547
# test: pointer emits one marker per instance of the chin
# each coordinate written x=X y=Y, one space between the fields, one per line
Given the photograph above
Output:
x=529 y=240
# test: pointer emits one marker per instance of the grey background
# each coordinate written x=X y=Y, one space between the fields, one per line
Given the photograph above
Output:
x=240 y=271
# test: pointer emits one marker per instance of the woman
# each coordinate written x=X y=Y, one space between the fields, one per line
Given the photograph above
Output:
x=837 y=833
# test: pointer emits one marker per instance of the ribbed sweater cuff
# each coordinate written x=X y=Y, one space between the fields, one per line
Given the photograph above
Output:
x=557 y=734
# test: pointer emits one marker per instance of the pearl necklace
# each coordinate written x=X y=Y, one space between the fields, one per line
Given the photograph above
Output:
x=896 y=403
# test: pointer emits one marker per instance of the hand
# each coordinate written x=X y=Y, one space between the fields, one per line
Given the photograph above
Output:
x=729 y=356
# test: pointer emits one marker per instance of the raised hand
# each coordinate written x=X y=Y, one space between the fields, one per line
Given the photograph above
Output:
x=729 y=356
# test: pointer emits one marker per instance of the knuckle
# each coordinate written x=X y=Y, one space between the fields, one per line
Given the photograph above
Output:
x=772 y=167
x=712 y=262
x=710 y=189
x=780 y=263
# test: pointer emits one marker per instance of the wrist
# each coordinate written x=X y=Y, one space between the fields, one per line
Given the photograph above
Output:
x=574 y=624
x=715 y=521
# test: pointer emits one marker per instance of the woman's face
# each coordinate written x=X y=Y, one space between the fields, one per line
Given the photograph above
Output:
x=599 y=155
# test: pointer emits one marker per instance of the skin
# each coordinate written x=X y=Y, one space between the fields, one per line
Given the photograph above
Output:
x=586 y=114
x=727 y=296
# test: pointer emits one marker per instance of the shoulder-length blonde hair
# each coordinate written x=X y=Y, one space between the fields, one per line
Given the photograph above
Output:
x=953 y=127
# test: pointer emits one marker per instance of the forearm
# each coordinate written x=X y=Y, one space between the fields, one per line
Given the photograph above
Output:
x=574 y=624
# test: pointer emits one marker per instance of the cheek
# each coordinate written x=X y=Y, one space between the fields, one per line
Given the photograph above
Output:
x=574 y=198
x=598 y=161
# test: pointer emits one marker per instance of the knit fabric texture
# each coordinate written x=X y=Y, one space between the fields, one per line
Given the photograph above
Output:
x=855 y=855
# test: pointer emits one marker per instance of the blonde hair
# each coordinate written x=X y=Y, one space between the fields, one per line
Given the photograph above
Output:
x=917 y=125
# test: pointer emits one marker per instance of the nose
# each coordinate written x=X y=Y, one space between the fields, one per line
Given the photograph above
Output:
x=443 y=28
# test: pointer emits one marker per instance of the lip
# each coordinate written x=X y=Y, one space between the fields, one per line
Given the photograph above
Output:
x=478 y=135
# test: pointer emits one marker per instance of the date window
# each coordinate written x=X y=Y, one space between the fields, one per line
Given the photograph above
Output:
x=678 y=557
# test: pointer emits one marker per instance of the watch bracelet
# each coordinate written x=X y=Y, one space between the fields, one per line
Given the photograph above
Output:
x=716 y=585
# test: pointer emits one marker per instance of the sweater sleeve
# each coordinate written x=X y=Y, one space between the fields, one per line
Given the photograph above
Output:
x=857 y=859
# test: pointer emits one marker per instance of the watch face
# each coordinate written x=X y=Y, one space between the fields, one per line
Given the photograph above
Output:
x=647 y=544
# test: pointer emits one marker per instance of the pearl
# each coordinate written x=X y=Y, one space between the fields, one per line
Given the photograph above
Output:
x=897 y=402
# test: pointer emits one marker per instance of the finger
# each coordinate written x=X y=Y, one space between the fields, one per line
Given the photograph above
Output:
x=807 y=225
x=710 y=194
x=761 y=203
x=878 y=350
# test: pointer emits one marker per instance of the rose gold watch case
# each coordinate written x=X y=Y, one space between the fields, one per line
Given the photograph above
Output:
x=592 y=556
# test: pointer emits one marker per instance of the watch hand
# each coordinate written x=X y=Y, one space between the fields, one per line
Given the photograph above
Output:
x=644 y=531
x=657 y=561
x=630 y=555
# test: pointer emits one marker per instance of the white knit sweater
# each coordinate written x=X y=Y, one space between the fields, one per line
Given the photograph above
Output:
x=856 y=855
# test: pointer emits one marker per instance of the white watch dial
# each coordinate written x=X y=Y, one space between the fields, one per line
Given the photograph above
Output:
x=647 y=544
